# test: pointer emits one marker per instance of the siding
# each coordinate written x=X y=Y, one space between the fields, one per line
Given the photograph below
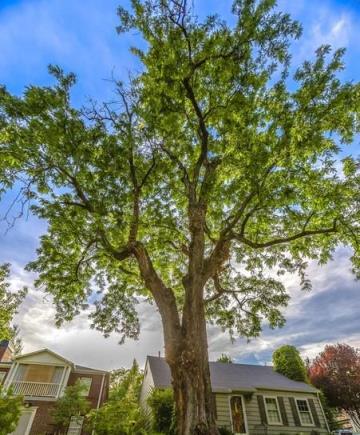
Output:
x=253 y=414
x=146 y=387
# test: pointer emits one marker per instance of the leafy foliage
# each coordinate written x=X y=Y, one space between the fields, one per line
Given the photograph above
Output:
x=288 y=362
x=71 y=404
x=336 y=371
x=225 y=431
x=267 y=172
x=9 y=303
x=121 y=414
x=331 y=413
x=161 y=402
x=224 y=358
x=221 y=131
x=10 y=411
x=216 y=166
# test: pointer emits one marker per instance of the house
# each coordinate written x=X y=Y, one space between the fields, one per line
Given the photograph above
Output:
x=251 y=399
x=41 y=378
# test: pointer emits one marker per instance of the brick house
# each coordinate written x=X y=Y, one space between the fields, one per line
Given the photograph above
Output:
x=41 y=378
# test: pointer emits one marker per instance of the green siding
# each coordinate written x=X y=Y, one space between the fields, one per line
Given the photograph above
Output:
x=253 y=414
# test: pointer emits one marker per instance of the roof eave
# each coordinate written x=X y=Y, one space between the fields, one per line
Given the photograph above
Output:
x=288 y=389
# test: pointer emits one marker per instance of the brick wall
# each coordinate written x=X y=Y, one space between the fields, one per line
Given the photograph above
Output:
x=42 y=423
x=95 y=388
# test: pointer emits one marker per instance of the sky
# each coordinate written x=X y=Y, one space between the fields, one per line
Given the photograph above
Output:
x=80 y=37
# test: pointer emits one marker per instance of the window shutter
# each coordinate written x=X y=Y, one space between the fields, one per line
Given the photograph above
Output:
x=283 y=411
x=261 y=404
x=314 y=413
x=294 y=411
x=214 y=405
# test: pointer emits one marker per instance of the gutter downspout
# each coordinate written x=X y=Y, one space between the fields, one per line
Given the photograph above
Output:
x=100 y=396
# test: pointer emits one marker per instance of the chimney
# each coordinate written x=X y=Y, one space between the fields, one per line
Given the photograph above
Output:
x=6 y=353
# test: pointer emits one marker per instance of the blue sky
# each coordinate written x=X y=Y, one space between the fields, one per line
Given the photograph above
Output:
x=80 y=36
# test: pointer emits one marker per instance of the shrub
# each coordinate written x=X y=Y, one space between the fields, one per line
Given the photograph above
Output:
x=10 y=411
x=161 y=403
x=225 y=431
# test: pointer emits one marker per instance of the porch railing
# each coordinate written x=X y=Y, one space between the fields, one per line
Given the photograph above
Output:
x=35 y=389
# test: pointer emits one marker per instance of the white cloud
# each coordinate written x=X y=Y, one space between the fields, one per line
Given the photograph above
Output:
x=313 y=320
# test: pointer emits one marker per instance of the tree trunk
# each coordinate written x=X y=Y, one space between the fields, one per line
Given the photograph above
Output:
x=193 y=396
x=190 y=372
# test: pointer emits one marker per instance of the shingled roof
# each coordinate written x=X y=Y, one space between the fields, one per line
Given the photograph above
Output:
x=233 y=377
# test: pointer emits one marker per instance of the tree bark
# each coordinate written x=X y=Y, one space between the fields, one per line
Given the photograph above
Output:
x=190 y=372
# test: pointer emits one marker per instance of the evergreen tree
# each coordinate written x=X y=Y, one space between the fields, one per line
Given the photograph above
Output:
x=288 y=362
x=72 y=404
x=121 y=414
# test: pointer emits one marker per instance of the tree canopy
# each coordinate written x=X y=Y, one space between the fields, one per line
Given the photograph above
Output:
x=224 y=358
x=288 y=362
x=210 y=122
x=336 y=371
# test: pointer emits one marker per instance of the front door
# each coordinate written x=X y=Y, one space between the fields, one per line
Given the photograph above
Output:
x=238 y=415
x=25 y=421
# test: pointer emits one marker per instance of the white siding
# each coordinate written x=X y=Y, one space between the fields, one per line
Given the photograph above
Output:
x=146 y=387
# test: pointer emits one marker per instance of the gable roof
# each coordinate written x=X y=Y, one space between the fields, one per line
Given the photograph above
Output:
x=44 y=350
x=233 y=377
x=74 y=366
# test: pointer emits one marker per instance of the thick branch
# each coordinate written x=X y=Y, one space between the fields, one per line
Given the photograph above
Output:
x=203 y=133
x=278 y=241
x=174 y=158
x=164 y=298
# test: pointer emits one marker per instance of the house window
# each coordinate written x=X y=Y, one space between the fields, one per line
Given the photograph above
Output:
x=86 y=384
x=39 y=373
x=304 y=412
x=237 y=415
x=272 y=410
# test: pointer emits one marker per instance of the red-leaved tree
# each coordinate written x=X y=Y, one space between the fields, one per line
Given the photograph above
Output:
x=336 y=371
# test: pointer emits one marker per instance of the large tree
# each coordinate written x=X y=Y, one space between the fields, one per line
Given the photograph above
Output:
x=213 y=166
x=336 y=371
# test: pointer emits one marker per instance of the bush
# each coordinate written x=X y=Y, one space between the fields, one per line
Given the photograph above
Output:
x=225 y=431
x=10 y=411
x=161 y=403
x=121 y=414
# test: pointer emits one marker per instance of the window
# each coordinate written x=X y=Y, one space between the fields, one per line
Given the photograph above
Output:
x=39 y=373
x=237 y=415
x=272 y=410
x=304 y=412
x=86 y=384
x=2 y=376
